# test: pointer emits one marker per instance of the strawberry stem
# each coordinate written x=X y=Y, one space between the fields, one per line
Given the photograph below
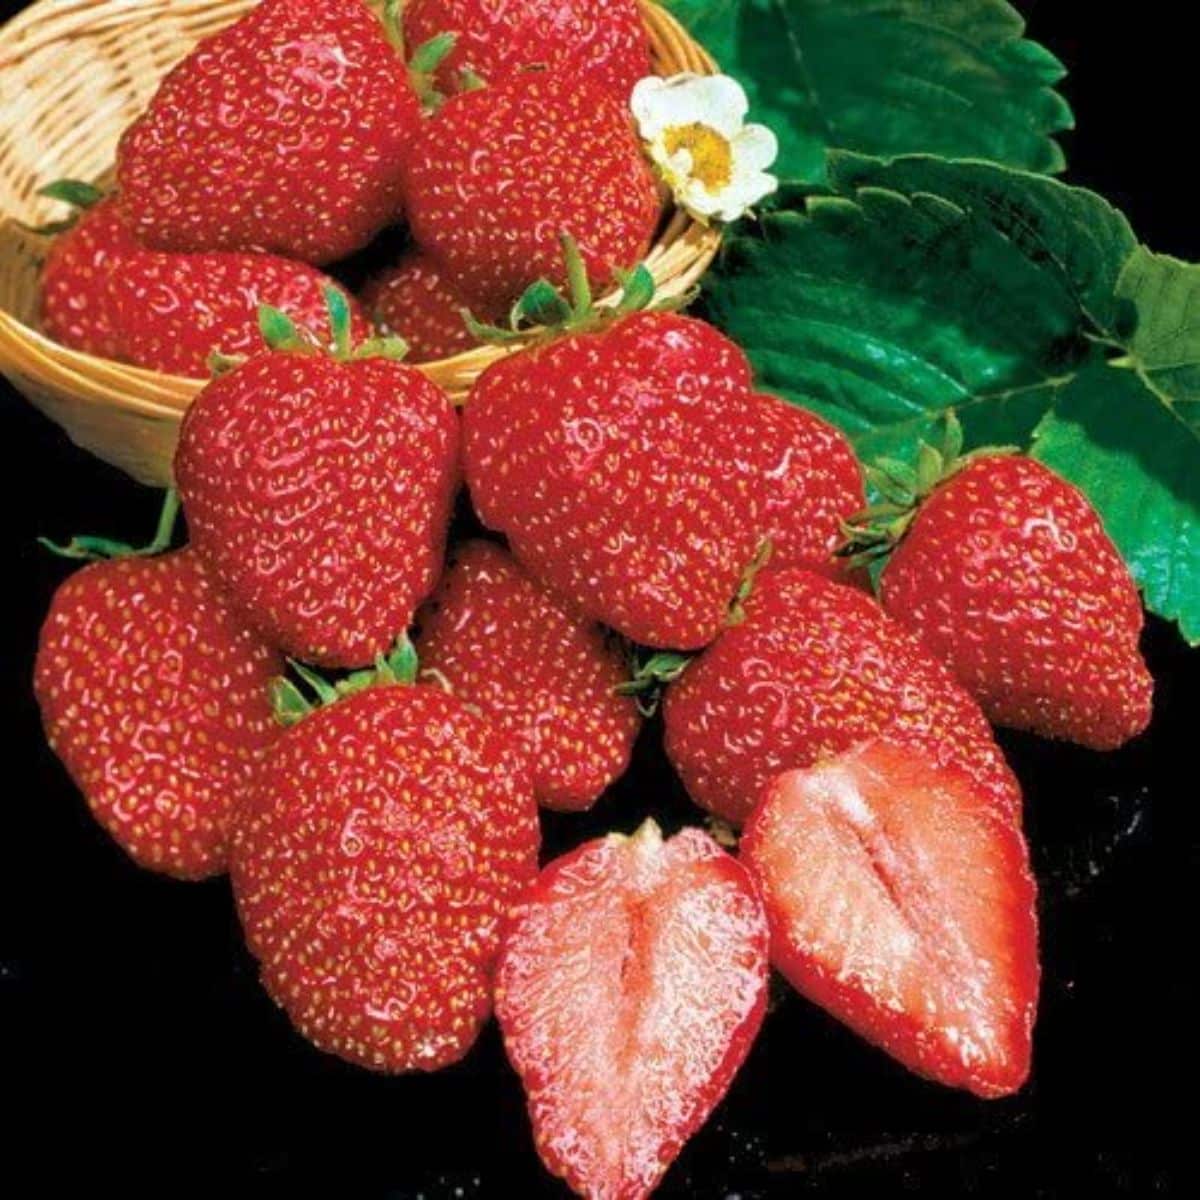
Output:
x=279 y=331
x=93 y=549
x=423 y=66
x=649 y=679
x=577 y=279
x=79 y=194
x=339 y=321
x=393 y=25
x=737 y=610
x=873 y=533
x=290 y=704
x=543 y=308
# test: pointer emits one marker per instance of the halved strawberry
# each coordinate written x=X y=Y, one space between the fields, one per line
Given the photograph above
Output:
x=900 y=900
x=631 y=984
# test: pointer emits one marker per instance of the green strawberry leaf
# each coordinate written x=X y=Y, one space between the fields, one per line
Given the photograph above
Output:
x=1073 y=232
x=1114 y=438
x=1165 y=345
x=888 y=77
x=882 y=311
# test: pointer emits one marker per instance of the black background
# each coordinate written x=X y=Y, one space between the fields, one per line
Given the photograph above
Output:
x=139 y=1050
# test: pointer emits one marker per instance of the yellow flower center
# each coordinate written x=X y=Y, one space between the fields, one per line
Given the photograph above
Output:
x=712 y=156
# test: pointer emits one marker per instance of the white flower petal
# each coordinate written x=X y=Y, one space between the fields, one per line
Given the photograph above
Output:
x=660 y=103
x=643 y=102
x=720 y=102
x=744 y=193
x=755 y=148
x=697 y=199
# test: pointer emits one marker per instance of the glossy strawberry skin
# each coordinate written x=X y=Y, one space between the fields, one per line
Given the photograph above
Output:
x=153 y=692
x=631 y=985
x=602 y=41
x=373 y=864
x=281 y=133
x=813 y=482
x=499 y=174
x=413 y=300
x=538 y=673
x=612 y=461
x=814 y=669
x=901 y=901
x=320 y=491
x=104 y=294
x=173 y=311
x=1007 y=573
x=77 y=305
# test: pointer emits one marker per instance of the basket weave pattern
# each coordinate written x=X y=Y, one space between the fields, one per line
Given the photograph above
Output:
x=73 y=75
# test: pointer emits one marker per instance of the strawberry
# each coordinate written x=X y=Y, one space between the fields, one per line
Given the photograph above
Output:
x=77 y=307
x=611 y=460
x=106 y=295
x=814 y=668
x=603 y=41
x=283 y=132
x=153 y=693
x=900 y=900
x=174 y=311
x=373 y=863
x=1007 y=573
x=498 y=174
x=631 y=985
x=812 y=483
x=319 y=489
x=545 y=678
x=413 y=300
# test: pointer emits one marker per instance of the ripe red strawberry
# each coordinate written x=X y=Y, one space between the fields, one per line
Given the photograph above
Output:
x=612 y=461
x=173 y=311
x=815 y=668
x=283 y=132
x=319 y=489
x=373 y=864
x=77 y=305
x=900 y=900
x=1007 y=573
x=413 y=300
x=631 y=985
x=498 y=174
x=813 y=482
x=106 y=295
x=545 y=678
x=603 y=41
x=154 y=695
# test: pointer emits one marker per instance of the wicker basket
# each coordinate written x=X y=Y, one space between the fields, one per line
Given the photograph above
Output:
x=73 y=74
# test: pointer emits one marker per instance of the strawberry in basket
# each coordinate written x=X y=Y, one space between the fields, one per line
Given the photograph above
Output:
x=499 y=173
x=283 y=132
x=105 y=294
x=602 y=41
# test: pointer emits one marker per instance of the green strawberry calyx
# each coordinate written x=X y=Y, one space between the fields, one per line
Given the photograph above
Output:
x=291 y=703
x=543 y=308
x=79 y=194
x=280 y=332
x=426 y=58
x=93 y=549
x=649 y=677
x=873 y=533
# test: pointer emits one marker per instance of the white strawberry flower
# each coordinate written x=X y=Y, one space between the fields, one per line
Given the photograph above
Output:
x=696 y=133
